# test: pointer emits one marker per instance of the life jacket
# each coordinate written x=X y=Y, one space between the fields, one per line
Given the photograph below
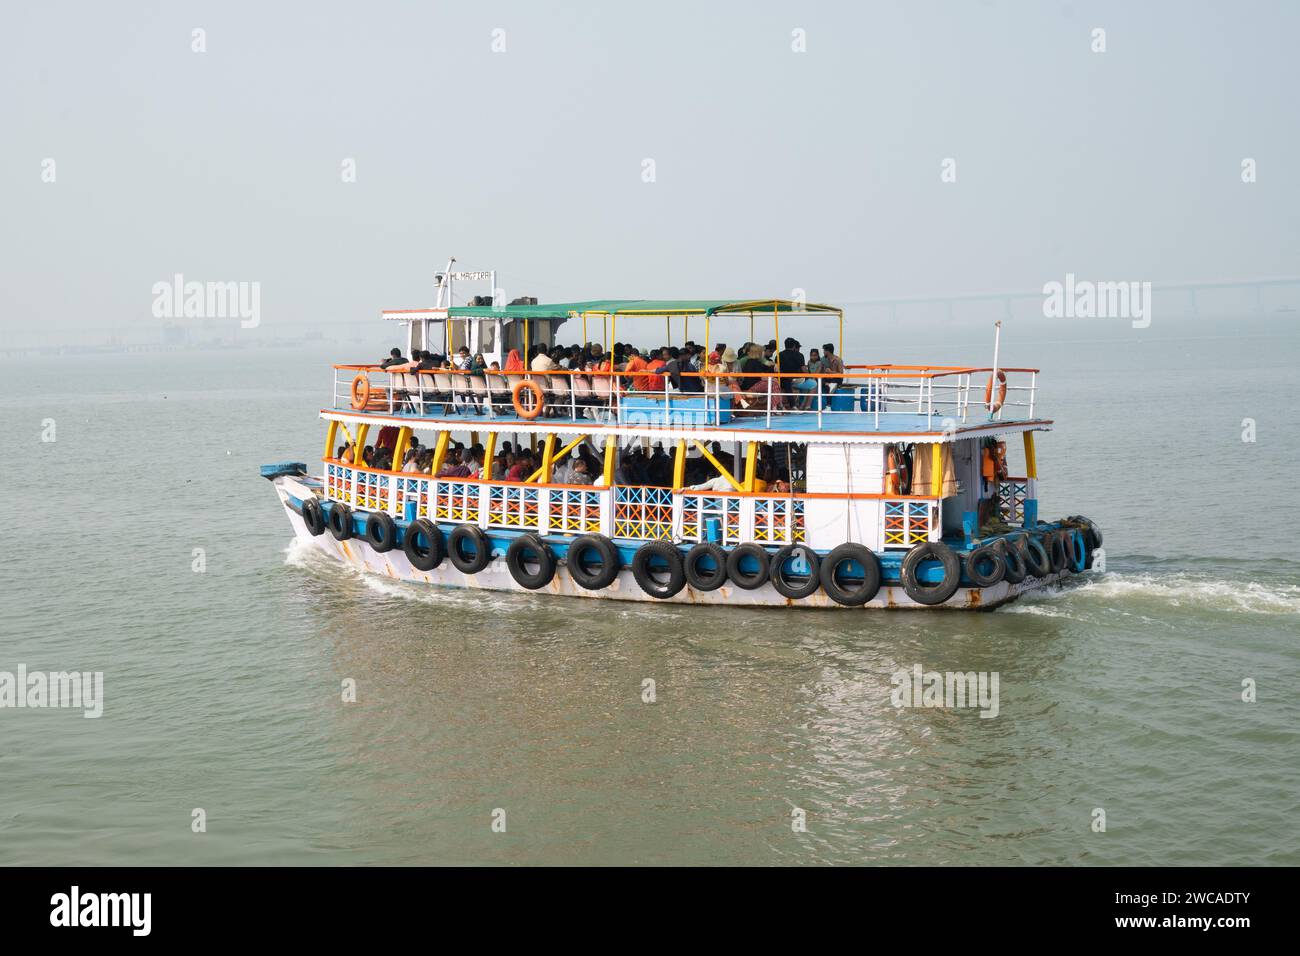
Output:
x=994 y=463
x=893 y=475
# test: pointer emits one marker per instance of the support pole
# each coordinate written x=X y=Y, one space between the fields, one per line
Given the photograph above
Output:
x=489 y=452
x=1031 y=458
x=440 y=451
x=611 y=456
x=332 y=432
x=751 y=467
x=679 y=465
x=936 y=470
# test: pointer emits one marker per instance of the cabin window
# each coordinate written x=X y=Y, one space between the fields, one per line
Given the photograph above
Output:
x=487 y=335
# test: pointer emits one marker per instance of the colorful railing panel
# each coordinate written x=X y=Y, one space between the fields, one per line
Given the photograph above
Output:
x=698 y=509
x=645 y=513
x=575 y=511
x=456 y=501
x=514 y=506
x=338 y=483
x=906 y=523
x=1012 y=493
x=778 y=520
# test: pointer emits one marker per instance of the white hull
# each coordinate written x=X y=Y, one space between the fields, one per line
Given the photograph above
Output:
x=357 y=553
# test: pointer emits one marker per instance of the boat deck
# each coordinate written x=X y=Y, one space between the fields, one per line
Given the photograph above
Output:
x=831 y=423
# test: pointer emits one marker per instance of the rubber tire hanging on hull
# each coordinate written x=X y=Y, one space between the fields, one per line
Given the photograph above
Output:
x=931 y=595
x=518 y=553
x=340 y=521
x=862 y=593
x=381 y=532
x=991 y=553
x=776 y=572
x=1014 y=558
x=610 y=562
x=705 y=580
x=747 y=580
x=1056 y=556
x=641 y=569
x=313 y=517
x=1079 y=558
x=432 y=555
x=1036 y=560
x=476 y=562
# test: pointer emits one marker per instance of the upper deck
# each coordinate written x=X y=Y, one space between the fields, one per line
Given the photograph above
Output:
x=865 y=403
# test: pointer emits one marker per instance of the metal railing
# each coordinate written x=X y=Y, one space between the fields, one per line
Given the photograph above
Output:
x=942 y=395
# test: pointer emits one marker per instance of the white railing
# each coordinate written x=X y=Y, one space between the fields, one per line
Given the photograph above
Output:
x=939 y=394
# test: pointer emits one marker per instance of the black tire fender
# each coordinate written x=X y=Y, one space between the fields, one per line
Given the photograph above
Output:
x=518 y=553
x=340 y=521
x=1056 y=556
x=1014 y=558
x=784 y=586
x=472 y=562
x=610 y=562
x=701 y=580
x=1036 y=560
x=381 y=531
x=865 y=559
x=313 y=517
x=992 y=554
x=431 y=556
x=642 y=572
x=931 y=595
x=747 y=580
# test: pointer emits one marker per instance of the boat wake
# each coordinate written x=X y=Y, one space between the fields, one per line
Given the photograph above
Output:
x=1197 y=591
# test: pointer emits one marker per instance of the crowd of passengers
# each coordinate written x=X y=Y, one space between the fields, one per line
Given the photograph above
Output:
x=748 y=373
x=583 y=466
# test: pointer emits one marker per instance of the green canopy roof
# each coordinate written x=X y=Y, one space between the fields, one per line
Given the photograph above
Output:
x=630 y=307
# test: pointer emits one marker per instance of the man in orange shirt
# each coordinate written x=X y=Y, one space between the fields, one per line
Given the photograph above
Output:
x=655 y=383
x=635 y=364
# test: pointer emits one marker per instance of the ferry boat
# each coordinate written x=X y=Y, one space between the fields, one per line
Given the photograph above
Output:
x=879 y=486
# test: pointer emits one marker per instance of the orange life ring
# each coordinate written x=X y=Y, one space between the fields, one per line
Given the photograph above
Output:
x=539 y=397
x=360 y=391
x=1002 y=392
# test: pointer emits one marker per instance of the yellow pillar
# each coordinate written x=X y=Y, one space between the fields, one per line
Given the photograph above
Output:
x=360 y=444
x=440 y=451
x=776 y=322
x=399 y=449
x=751 y=467
x=936 y=470
x=489 y=452
x=611 y=458
x=548 y=452
x=708 y=456
x=332 y=432
x=1031 y=459
x=679 y=465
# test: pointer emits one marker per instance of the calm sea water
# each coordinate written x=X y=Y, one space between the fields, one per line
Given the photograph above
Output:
x=223 y=688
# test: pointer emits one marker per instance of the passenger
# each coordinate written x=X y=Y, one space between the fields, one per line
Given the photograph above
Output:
x=395 y=357
x=831 y=365
x=541 y=362
x=655 y=383
x=367 y=455
x=411 y=460
x=513 y=362
x=345 y=453
x=635 y=364
x=579 y=474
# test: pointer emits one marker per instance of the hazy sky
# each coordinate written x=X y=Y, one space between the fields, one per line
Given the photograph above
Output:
x=773 y=169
